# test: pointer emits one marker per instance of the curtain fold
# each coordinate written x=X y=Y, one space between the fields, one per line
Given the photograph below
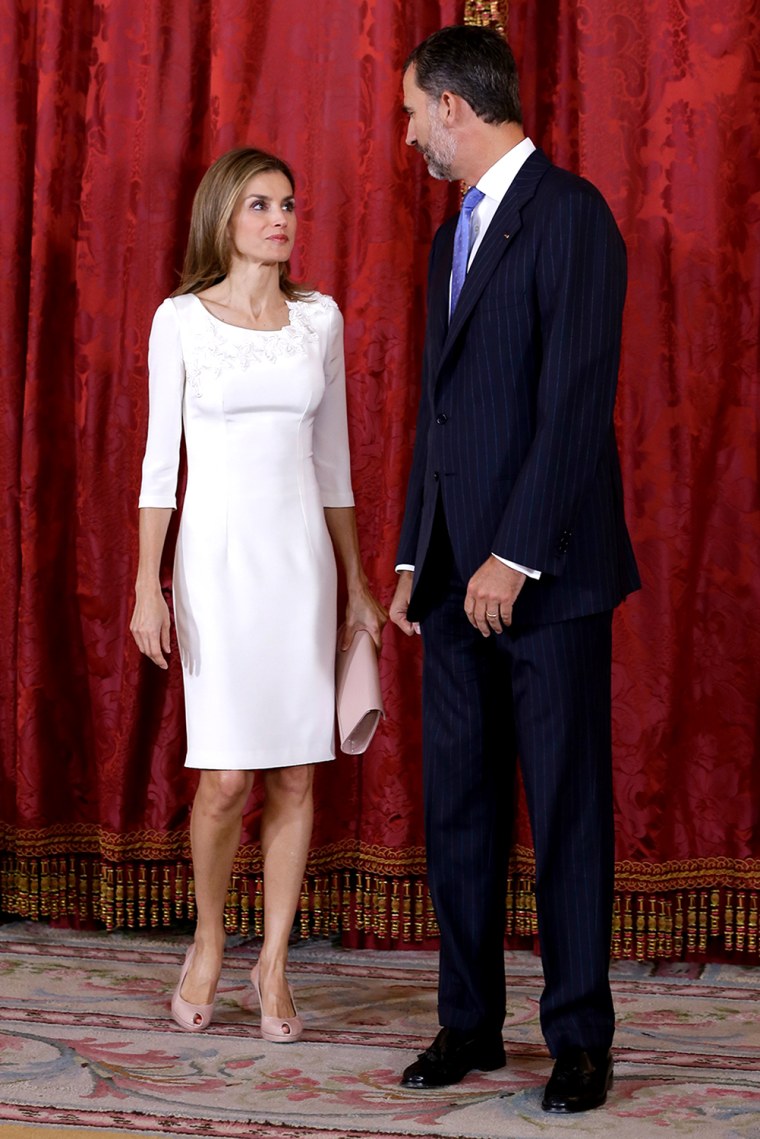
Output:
x=112 y=112
x=655 y=102
x=115 y=111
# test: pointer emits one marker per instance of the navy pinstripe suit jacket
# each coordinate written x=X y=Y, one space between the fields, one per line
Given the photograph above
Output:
x=515 y=428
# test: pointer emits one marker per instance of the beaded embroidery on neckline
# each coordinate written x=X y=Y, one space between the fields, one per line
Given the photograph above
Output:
x=211 y=351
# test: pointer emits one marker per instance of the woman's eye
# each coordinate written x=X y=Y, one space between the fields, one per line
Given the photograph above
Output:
x=258 y=205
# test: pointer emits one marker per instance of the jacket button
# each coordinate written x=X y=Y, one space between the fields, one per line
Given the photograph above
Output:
x=442 y=418
x=436 y=476
x=564 y=541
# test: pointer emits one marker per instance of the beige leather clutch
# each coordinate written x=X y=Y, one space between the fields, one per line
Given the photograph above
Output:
x=358 y=698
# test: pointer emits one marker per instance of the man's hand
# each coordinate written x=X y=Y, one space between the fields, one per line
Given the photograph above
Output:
x=400 y=604
x=491 y=593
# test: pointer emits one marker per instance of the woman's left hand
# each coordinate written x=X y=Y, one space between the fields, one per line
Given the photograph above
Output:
x=363 y=611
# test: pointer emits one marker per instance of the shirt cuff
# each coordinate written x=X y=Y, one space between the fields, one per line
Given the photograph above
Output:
x=532 y=573
x=535 y=574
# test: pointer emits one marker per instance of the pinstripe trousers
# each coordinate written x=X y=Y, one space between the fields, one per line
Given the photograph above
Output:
x=539 y=695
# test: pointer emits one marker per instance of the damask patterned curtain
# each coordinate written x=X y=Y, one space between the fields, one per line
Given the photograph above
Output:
x=111 y=113
x=656 y=103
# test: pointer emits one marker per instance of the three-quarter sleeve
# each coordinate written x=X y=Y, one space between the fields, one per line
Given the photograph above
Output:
x=166 y=383
x=332 y=460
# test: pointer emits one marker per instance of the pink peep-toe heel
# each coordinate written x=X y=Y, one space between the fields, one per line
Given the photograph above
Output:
x=193 y=1018
x=277 y=1029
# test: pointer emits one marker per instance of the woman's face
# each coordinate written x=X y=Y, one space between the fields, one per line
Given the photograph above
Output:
x=263 y=223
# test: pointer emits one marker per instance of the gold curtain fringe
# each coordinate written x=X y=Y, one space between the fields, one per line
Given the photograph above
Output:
x=486 y=13
x=370 y=908
x=686 y=923
x=88 y=839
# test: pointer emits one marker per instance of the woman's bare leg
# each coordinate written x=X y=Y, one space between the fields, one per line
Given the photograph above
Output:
x=285 y=836
x=215 y=826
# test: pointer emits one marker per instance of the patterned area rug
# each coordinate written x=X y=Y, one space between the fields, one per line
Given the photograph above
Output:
x=86 y=1042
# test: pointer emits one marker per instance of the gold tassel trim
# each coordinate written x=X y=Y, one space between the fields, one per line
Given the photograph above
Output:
x=487 y=13
x=377 y=907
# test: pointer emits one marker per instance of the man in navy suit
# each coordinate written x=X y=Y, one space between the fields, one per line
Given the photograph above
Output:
x=513 y=554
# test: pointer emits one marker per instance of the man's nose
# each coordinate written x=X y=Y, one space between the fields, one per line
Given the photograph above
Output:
x=411 y=138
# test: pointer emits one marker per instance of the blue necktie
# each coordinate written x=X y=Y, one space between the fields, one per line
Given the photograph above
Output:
x=462 y=244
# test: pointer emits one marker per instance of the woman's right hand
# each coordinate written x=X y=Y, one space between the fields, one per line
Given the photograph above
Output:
x=150 y=625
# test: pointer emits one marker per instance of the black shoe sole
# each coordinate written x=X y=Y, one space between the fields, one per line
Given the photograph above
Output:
x=565 y=1109
x=553 y=1109
x=488 y=1062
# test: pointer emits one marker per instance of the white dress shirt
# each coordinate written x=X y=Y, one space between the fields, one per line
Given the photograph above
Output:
x=494 y=185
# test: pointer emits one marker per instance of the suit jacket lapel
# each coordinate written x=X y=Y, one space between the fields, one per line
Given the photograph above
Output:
x=505 y=224
x=438 y=295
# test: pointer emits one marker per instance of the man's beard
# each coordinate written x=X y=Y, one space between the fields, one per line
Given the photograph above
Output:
x=440 y=151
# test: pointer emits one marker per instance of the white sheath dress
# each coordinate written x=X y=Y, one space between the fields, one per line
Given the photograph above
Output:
x=264 y=420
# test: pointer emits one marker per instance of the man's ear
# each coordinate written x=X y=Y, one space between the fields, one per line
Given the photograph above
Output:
x=452 y=108
x=447 y=106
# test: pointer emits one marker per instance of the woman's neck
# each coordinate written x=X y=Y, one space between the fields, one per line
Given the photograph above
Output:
x=250 y=297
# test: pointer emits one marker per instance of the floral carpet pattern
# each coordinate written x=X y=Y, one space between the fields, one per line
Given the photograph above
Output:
x=86 y=1041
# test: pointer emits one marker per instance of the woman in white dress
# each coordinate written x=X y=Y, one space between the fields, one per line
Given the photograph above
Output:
x=250 y=367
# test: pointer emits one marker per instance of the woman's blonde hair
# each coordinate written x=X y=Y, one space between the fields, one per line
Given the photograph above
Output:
x=209 y=249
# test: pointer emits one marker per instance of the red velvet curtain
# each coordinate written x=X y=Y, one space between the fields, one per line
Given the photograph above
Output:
x=656 y=101
x=112 y=112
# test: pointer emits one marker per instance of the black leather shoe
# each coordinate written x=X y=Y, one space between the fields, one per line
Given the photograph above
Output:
x=452 y=1055
x=579 y=1081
